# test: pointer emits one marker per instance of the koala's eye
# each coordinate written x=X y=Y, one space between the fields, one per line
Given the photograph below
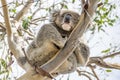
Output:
x=69 y=15
x=63 y=15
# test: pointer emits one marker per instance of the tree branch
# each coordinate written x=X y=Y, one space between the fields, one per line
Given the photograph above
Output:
x=83 y=73
x=29 y=75
x=17 y=50
x=72 y=42
x=6 y=17
x=99 y=62
x=2 y=28
x=92 y=68
x=111 y=55
x=24 y=10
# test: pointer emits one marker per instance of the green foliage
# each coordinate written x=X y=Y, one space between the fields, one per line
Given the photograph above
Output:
x=25 y=22
x=65 y=6
x=108 y=70
x=106 y=51
x=73 y=1
x=13 y=10
x=3 y=69
x=104 y=18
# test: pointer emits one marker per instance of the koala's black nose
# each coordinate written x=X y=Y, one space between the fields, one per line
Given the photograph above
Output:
x=67 y=18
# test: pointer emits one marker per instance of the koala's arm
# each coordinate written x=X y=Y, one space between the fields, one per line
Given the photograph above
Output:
x=49 y=33
x=82 y=53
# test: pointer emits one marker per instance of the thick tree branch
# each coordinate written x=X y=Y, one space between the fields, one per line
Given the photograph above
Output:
x=71 y=44
x=29 y=75
x=6 y=17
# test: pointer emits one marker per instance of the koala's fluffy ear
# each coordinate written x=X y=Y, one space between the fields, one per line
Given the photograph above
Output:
x=53 y=15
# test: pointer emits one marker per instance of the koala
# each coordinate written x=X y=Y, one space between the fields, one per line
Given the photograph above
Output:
x=52 y=37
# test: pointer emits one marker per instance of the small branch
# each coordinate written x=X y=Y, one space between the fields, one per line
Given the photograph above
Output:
x=1 y=14
x=99 y=62
x=100 y=4
x=35 y=12
x=39 y=19
x=111 y=55
x=79 y=71
x=24 y=10
x=28 y=33
x=3 y=28
x=83 y=74
x=92 y=68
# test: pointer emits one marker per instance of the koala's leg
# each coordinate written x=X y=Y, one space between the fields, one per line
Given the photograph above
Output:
x=82 y=54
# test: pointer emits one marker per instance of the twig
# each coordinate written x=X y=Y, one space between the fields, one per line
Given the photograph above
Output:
x=83 y=74
x=28 y=33
x=3 y=28
x=111 y=55
x=6 y=18
x=92 y=68
x=24 y=10
x=39 y=19
x=79 y=71
x=99 y=62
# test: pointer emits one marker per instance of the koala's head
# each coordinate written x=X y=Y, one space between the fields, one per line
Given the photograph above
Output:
x=65 y=19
